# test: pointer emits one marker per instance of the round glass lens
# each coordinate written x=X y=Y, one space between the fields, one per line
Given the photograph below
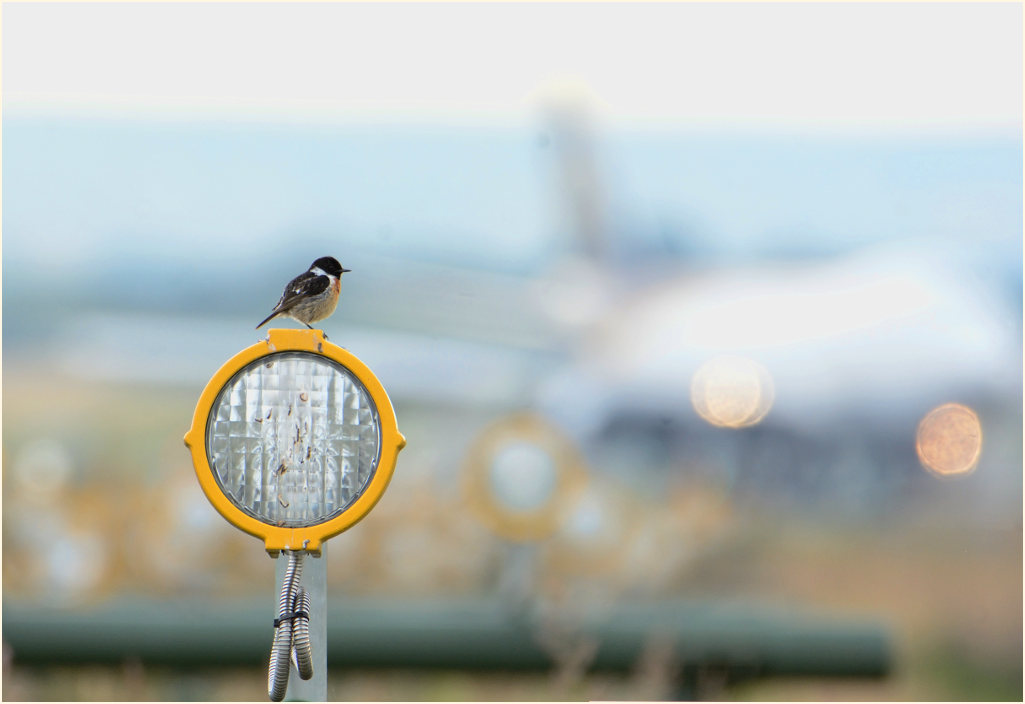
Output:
x=523 y=477
x=293 y=439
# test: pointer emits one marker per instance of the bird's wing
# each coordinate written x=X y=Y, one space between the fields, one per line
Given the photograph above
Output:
x=302 y=286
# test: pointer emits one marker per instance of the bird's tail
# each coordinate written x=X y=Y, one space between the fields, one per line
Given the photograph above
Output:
x=268 y=318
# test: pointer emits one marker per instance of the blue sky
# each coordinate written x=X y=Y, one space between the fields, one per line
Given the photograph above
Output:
x=488 y=196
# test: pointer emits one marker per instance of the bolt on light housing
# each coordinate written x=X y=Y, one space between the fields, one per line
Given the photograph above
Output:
x=294 y=440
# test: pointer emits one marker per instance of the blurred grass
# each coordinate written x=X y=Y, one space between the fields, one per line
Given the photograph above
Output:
x=948 y=584
x=958 y=641
x=953 y=597
x=959 y=673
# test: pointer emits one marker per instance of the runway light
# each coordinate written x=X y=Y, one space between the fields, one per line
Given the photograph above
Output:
x=732 y=392
x=523 y=476
x=43 y=469
x=520 y=477
x=949 y=440
x=294 y=440
x=597 y=532
x=76 y=563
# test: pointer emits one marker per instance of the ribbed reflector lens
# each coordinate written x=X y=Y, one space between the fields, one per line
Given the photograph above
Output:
x=293 y=439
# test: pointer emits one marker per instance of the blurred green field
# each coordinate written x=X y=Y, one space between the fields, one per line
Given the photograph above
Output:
x=958 y=631
x=120 y=482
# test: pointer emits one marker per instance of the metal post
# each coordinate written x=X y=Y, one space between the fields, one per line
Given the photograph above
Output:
x=518 y=575
x=314 y=581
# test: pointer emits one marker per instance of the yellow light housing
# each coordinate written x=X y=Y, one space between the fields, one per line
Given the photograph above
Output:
x=521 y=475
x=294 y=440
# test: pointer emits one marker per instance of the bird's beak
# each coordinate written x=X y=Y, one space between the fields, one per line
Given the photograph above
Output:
x=345 y=270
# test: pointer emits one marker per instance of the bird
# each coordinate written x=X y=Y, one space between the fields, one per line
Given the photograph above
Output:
x=312 y=295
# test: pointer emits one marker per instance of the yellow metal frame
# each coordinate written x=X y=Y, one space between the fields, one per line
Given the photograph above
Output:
x=530 y=525
x=277 y=538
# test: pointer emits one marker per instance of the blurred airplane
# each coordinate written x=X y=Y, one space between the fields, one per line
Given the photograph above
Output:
x=855 y=348
x=606 y=337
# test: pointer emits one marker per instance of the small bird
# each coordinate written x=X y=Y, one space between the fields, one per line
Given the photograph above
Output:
x=312 y=295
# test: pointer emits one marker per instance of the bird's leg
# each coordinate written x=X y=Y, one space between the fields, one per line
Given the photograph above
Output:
x=313 y=328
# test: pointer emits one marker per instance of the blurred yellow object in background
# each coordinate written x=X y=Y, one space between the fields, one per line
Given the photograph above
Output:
x=521 y=475
x=949 y=440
